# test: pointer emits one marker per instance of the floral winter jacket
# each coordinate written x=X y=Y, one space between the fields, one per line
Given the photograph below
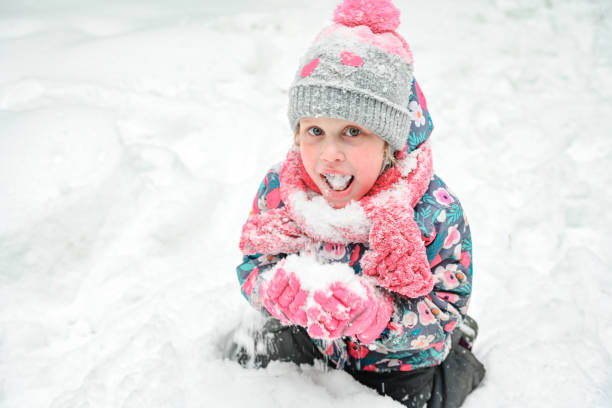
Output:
x=418 y=334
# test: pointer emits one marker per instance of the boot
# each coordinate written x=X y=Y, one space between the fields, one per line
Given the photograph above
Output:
x=273 y=342
x=469 y=332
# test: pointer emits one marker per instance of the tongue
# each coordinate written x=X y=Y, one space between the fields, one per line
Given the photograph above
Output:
x=338 y=182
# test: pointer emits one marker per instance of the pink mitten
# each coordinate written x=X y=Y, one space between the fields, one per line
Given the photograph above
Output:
x=284 y=298
x=341 y=310
x=272 y=232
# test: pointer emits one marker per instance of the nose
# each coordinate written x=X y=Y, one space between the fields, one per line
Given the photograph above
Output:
x=332 y=151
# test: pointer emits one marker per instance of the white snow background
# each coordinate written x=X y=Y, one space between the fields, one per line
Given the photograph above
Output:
x=133 y=137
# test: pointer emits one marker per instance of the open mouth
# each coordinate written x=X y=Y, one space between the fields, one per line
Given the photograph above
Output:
x=338 y=182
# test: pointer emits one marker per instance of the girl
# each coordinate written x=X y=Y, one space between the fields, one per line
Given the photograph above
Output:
x=359 y=254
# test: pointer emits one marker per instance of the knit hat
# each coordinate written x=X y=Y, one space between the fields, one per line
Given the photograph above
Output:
x=359 y=69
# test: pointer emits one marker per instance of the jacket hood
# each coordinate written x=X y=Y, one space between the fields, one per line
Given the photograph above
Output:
x=421 y=124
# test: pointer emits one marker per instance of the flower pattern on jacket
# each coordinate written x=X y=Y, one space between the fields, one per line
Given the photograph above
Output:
x=418 y=334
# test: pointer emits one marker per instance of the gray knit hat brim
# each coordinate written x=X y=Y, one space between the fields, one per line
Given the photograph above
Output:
x=391 y=123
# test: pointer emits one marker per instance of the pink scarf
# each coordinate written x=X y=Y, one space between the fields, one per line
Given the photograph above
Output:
x=383 y=220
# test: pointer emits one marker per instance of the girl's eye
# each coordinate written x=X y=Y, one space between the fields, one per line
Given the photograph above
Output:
x=352 y=131
x=315 y=131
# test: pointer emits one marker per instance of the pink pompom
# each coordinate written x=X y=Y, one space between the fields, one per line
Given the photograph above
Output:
x=380 y=15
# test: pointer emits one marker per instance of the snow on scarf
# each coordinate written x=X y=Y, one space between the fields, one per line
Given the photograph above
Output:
x=383 y=220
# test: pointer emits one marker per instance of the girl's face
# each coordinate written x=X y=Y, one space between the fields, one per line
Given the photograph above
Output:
x=342 y=158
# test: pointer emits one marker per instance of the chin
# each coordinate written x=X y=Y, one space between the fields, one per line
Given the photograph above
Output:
x=337 y=206
x=340 y=199
x=337 y=203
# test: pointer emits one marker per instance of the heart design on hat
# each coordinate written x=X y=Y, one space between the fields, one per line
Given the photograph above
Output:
x=352 y=59
x=309 y=68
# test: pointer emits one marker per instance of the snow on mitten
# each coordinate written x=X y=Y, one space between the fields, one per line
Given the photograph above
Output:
x=284 y=297
x=272 y=232
x=349 y=310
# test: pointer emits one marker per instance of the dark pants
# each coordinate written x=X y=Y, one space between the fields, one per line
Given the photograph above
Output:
x=444 y=386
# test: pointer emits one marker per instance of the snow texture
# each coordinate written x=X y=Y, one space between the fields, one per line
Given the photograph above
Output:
x=325 y=221
x=133 y=138
x=338 y=181
x=314 y=275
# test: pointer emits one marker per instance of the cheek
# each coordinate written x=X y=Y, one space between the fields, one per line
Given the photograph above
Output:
x=367 y=166
x=309 y=159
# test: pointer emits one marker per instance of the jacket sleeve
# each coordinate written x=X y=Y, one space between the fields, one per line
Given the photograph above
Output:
x=250 y=270
x=427 y=322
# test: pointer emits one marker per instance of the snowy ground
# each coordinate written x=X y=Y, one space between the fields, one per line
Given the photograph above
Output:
x=133 y=138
